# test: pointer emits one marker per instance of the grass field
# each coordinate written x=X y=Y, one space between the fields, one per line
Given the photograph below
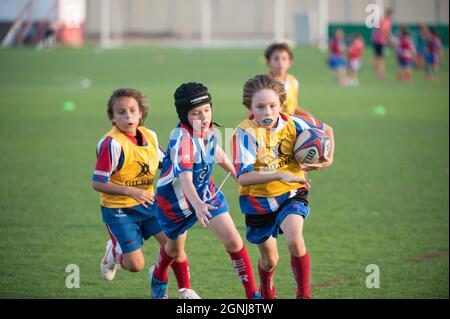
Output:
x=384 y=201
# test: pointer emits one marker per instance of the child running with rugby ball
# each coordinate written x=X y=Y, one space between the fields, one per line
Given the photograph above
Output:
x=273 y=190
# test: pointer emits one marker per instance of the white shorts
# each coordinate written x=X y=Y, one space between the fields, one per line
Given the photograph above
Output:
x=354 y=64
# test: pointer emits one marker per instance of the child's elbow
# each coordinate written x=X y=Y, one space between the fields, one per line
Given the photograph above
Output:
x=95 y=186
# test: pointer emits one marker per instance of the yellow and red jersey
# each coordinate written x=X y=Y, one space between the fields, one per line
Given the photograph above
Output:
x=123 y=161
x=255 y=148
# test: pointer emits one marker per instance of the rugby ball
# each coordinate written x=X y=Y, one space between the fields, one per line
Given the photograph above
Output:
x=311 y=146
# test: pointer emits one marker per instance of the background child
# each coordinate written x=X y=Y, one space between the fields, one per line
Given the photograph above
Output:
x=406 y=51
x=279 y=58
x=273 y=190
x=434 y=47
x=355 y=51
x=421 y=44
x=127 y=159
x=380 y=39
x=186 y=192
x=336 y=60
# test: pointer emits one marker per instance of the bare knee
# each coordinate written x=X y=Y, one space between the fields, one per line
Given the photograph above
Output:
x=268 y=263
x=296 y=245
x=177 y=254
x=135 y=267
x=161 y=238
x=233 y=244
x=134 y=264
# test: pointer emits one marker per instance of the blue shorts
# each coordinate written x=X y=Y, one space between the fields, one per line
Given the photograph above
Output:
x=175 y=227
x=431 y=58
x=421 y=50
x=129 y=228
x=336 y=62
x=354 y=64
x=258 y=235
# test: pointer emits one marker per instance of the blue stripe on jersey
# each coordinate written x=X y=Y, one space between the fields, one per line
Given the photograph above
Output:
x=252 y=205
x=202 y=161
x=121 y=161
x=244 y=150
x=97 y=178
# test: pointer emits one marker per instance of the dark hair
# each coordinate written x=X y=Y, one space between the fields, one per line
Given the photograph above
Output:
x=433 y=31
x=127 y=92
x=261 y=82
x=356 y=35
x=404 y=31
x=275 y=47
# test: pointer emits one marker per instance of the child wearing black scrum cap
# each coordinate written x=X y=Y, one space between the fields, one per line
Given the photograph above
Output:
x=186 y=192
x=187 y=97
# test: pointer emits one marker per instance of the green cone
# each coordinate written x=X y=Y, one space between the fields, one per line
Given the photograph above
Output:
x=379 y=110
x=68 y=106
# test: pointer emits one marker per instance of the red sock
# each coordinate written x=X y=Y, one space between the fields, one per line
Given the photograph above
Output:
x=181 y=271
x=243 y=267
x=408 y=76
x=161 y=271
x=301 y=269
x=267 y=287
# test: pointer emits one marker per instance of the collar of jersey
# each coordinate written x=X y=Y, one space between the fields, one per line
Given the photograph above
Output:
x=200 y=134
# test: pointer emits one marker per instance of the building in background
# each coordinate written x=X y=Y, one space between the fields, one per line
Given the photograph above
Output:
x=31 y=22
x=216 y=22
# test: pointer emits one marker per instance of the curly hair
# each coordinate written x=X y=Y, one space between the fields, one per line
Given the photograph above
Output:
x=261 y=82
x=128 y=92
x=276 y=47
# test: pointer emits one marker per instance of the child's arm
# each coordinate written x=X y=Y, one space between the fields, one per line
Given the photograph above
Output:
x=244 y=163
x=253 y=178
x=327 y=160
x=200 y=207
x=221 y=158
x=108 y=157
x=140 y=195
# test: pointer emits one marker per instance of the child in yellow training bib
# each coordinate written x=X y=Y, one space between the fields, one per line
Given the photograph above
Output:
x=127 y=159
x=273 y=190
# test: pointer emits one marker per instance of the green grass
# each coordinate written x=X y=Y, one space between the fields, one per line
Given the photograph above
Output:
x=384 y=201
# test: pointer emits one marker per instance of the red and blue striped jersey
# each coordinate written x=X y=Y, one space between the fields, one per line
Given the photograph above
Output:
x=186 y=152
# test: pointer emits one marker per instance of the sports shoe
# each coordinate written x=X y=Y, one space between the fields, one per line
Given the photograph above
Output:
x=257 y=295
x=109 y=264
x=159 y=289
x=186 y=293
